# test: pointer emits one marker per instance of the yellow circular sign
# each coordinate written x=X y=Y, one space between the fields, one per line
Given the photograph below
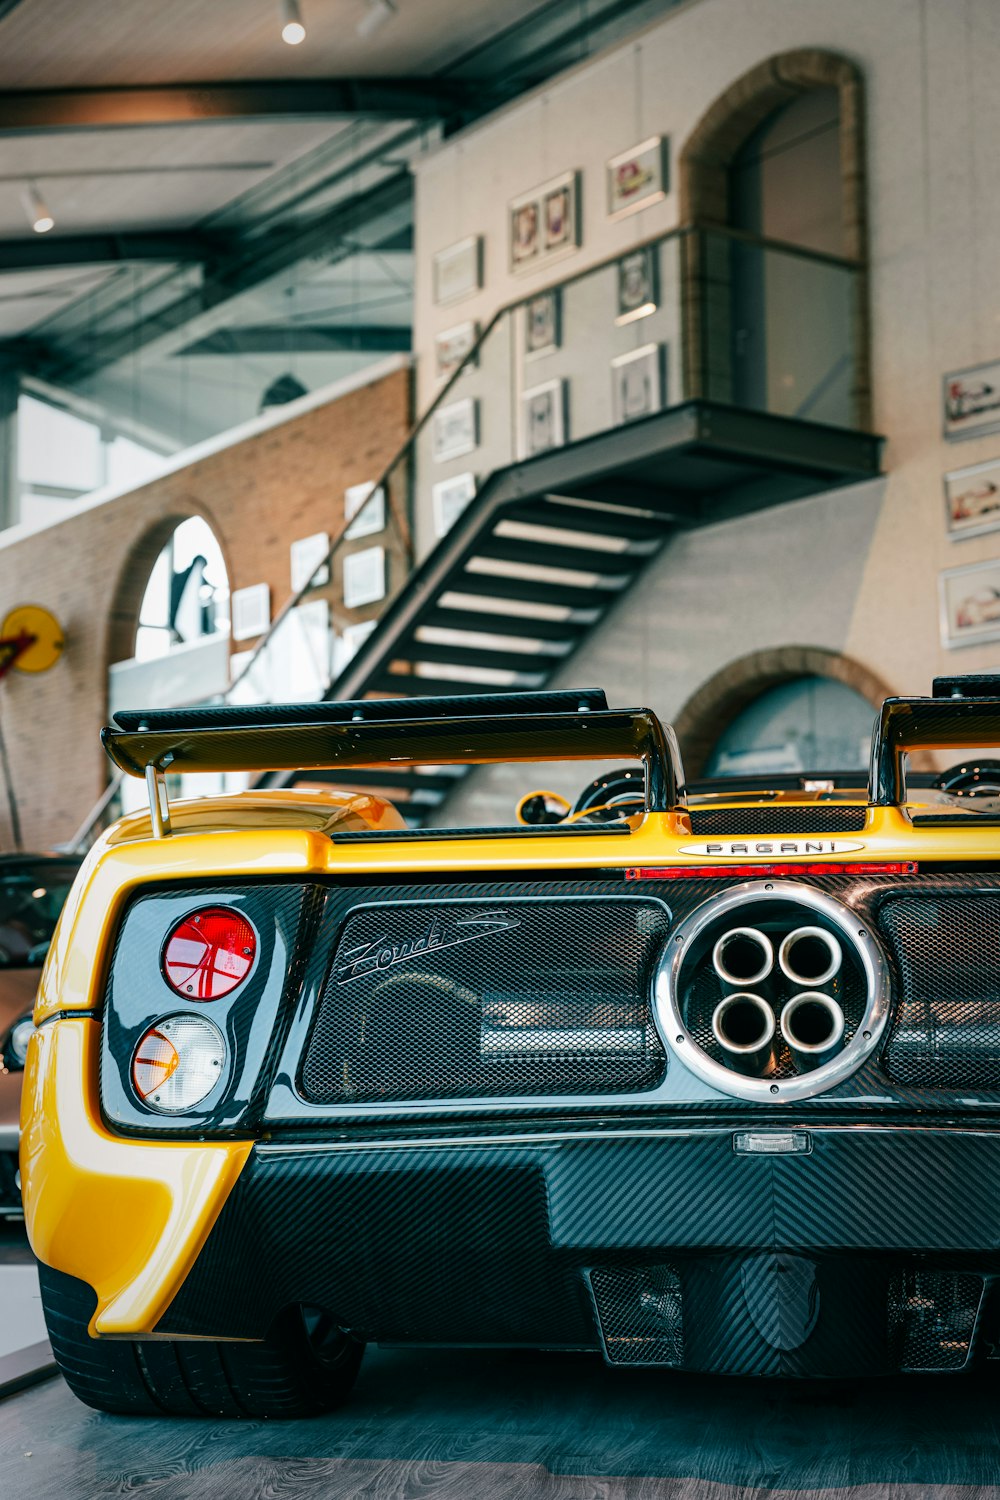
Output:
x=46 y=648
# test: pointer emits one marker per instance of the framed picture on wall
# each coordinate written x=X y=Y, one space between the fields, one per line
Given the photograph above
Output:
x=972 y=499
x=972 y=401
x=364 y=577
x=456 y=429
x=543 y=418
x=305 y=558
x=453 y=347
x=366 y=503
x=458 y=270
x=638 y=177
x=542 y=332
x=970 y=604
x=449 y=498
x=545 y=222
x=637 y=384
x=636 y=285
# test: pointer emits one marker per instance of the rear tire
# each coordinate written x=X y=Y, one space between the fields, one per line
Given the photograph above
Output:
x=303 y=1367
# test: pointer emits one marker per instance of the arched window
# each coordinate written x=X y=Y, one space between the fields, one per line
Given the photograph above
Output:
x=773 y=181
x=809 y=724
x=187 y=595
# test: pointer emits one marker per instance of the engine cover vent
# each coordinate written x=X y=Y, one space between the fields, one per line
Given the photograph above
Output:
x=779 y=819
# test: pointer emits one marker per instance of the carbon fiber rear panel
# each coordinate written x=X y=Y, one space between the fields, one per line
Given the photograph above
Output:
x=478 y=999
x=946 y=1032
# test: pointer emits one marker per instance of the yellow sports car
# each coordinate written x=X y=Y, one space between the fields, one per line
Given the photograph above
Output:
x=701 y=1080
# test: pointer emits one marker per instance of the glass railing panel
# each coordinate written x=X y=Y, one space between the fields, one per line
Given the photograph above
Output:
x=600 y=350
x=779 y=329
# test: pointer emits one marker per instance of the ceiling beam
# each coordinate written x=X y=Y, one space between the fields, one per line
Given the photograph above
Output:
x=37 y=110
x=373 y=216
x=303 y=338
x=45 y=253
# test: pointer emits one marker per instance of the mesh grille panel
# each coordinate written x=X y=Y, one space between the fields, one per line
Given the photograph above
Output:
x=764 y=821
x=640 y=1313
x=946 y=1032
x=932 y=1318
x=479 y=999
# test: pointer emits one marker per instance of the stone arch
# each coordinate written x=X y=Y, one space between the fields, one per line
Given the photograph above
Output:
x=709 y=151
x=725 y=695
x=133 y=576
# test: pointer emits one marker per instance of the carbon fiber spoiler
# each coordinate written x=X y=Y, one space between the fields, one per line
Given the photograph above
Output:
x=470 y=730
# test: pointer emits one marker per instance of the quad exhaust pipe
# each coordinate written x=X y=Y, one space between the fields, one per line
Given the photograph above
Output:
x=744 y=1023
x=742 y=957
x=813 y=1027
x=810 y=957
x=744 y=1027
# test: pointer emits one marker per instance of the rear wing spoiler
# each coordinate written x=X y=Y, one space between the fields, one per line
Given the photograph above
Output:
x=963 y=714
x=473 y=730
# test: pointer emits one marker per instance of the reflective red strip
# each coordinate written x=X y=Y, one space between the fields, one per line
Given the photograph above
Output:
x=707 y=872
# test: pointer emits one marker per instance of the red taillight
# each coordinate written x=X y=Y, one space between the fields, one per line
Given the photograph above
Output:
x=209 y=953
x=715 y=872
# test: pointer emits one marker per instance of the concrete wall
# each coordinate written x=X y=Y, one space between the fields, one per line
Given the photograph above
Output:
x=259 y=489
x=855 y=572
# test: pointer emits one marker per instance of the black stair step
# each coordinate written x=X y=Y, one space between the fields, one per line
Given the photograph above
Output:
x=547 y=555
x=477 y=656
x=405 y=779
x=532 y=591
x=430 y=687
x=442 y=618
x=591 y=520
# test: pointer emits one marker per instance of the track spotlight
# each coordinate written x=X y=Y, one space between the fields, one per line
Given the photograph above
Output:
x=377 y=12
x=292 y=31
x=35 y=207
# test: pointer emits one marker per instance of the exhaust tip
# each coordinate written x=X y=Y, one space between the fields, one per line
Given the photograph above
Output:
x=744 y=1027
x=813 y=1026
x=810 y=956
x=743 y=956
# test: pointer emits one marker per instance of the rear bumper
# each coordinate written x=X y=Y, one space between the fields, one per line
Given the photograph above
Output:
x=875 y=1250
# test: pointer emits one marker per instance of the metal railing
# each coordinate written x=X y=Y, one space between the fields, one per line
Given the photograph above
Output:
x=699 y=313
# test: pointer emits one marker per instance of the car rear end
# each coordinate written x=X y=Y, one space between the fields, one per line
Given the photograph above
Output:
x=722 y=1103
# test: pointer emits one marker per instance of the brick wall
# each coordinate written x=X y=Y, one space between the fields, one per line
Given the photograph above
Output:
x=258 y=493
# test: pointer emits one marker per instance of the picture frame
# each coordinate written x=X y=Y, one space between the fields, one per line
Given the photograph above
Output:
x=543 y=418
x=543 y=323
x=545 y=223
x=251 y=611
x=449 y=497
x=455 y=429
x=971 y=401
x=637 y=384
x=457 y=270
x=304 y=557
x=370 y=503
x=452 y=348
x=364 y=577
x=637 y=285
x=972 y=500
x=969 y=599
x=638 y=177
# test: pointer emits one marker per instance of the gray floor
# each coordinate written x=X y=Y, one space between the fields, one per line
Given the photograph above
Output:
x=480 y=1426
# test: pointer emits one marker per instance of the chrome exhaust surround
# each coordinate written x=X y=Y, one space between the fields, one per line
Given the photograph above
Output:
x=813 y=1027
x=744 y=1027
x=810 y=956
x=743 y=956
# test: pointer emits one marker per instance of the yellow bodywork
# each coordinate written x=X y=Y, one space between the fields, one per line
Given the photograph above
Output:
x=129 y=1216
